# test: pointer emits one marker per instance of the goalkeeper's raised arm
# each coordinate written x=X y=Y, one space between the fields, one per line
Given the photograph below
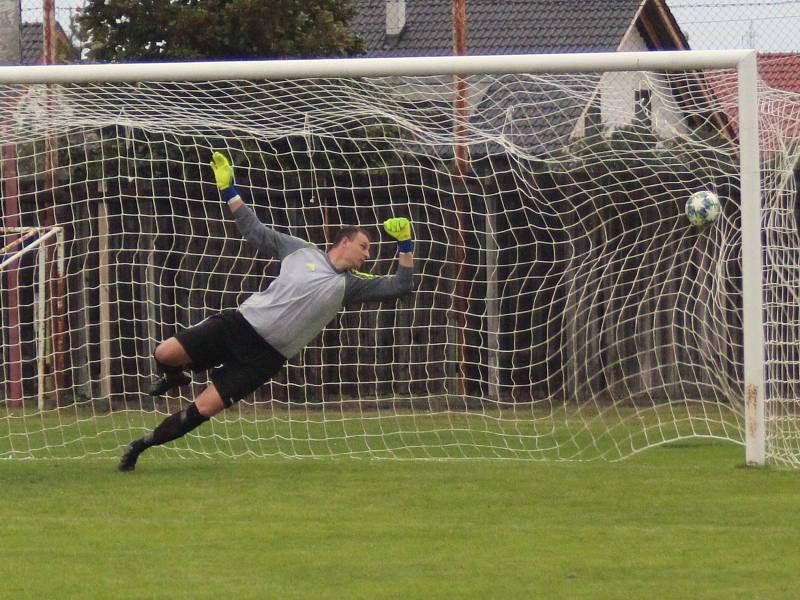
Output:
x=246 y=347
x=267 y=240
x=363 y=287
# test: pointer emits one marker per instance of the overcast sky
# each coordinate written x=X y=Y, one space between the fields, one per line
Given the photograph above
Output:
x=766 y=25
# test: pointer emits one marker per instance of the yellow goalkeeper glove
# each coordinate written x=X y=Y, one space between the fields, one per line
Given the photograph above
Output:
x=223 y=173
x=400 y=229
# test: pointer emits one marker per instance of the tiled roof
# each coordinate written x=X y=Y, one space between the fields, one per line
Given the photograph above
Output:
x=534 y=114
x=498 y=26
x=780 y=121
x=780 y=70
x=32 y=41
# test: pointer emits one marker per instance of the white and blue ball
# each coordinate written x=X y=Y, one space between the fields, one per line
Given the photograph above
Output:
x=703 y=208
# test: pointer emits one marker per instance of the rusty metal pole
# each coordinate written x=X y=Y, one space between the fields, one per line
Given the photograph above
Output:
x=460 y=116
x=49 y=25
x=460 y=103
x=57 y=288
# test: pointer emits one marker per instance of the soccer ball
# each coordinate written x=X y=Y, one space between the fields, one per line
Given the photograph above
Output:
x=703 y=208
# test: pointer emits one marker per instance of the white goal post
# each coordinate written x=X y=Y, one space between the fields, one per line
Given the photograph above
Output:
x=27 y=240
x=401 y=135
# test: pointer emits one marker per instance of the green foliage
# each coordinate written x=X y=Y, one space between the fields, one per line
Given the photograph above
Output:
x=158 y=30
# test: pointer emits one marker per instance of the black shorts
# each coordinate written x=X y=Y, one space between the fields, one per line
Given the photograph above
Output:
x=242 y=360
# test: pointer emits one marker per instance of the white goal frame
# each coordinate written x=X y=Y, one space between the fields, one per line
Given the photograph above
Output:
x=744 y=61
x=17 y=250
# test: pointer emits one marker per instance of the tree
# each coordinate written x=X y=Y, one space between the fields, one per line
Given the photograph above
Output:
x=162 y=30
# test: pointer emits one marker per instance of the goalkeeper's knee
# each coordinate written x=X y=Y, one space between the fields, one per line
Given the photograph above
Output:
x=164 y=357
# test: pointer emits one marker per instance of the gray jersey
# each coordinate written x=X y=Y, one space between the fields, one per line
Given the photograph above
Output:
x=309 y=290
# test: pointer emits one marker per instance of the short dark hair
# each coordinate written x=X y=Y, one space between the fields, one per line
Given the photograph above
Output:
x=350 y=232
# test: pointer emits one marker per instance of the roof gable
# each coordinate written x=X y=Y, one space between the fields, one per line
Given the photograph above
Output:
x=495 y=27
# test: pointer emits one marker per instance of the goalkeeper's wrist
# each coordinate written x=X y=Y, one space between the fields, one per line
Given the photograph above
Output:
x=229 y=193
x=405 y=246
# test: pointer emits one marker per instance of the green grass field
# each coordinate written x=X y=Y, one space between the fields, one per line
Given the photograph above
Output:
x=680 y=521
x=583 y=432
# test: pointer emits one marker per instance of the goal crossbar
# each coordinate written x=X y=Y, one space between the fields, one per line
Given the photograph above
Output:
x=377 y=67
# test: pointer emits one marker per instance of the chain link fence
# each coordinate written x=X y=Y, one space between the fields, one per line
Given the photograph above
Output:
x=766 y=25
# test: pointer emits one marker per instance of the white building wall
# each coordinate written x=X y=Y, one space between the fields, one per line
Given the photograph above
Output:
x=619 y=96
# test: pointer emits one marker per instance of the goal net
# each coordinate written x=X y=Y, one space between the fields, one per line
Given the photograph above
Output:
x=564 y=306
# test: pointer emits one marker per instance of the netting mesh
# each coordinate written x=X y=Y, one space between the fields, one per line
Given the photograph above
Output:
x=564 y=306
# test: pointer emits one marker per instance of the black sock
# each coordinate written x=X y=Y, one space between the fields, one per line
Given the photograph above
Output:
x=174 y=426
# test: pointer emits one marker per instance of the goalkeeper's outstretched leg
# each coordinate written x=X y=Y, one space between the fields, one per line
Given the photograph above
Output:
x=207 y=404
x=240 y=361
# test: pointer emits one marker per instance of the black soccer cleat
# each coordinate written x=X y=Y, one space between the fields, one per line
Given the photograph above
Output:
x=128 y=461
x=169 y=381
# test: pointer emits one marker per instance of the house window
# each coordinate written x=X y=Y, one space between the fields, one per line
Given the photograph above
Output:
x=643 y=111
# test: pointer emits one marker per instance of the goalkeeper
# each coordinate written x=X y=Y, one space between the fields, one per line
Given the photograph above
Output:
x=248 y=346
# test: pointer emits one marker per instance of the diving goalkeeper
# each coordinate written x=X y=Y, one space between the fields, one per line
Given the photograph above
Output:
x=247 y=346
